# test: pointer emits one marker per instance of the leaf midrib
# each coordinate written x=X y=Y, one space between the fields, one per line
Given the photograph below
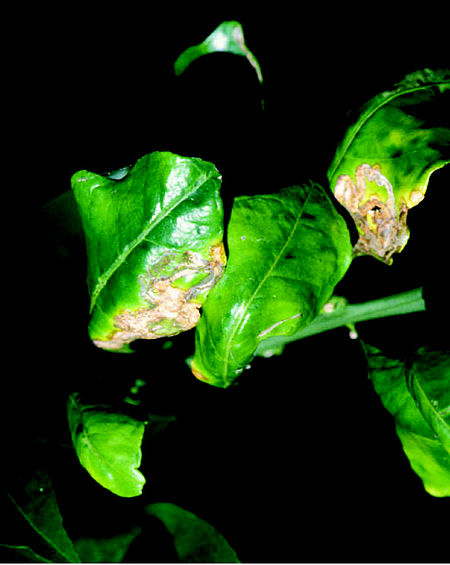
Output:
x=38 y=530
x=429 y=405
x=366 y=117
x=106 y=275
x=260 y=285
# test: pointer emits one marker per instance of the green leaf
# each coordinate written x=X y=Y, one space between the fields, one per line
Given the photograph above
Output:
x=32 y=494
x=429 y=383
x=195 y=540
x=28 y=555
x=106 y=550
x=154 y=246
x=108 y=445
x=382 y=167
x=422 y=420
x=287 y=252
x=228 y=37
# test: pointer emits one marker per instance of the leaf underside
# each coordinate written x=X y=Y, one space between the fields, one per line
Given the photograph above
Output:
x=418 y=397
x=112 y=549
x=108 y=446
x=228 y=37
x=195 y=540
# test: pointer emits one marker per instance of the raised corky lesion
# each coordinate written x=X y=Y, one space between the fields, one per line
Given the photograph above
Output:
x=381 y=223
x=174 y=289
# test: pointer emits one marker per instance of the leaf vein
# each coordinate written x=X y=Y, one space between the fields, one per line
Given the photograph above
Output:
x=261 y=284
x=104 y=277
x=368 y=114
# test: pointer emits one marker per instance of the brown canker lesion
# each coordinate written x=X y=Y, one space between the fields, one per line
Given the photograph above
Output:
x=170 y=309
x=381 y=224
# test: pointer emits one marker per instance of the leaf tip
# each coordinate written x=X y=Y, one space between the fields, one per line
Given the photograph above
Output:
x=198 y=374
x=204 y=377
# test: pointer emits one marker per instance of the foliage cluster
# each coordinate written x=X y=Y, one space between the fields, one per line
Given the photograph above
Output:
x=171 y=245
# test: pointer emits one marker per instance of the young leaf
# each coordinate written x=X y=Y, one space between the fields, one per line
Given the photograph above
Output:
x=108 y=446
x=228 y=37
x=382 y=167
x=31 y=493
x=195 y=540
x=287 y=252
x=423 y=425
x=154 y=246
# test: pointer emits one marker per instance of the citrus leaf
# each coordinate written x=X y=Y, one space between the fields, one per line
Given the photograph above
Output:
x=429 y=383
x=228 y=37
x=382 y=167
x=287 y=252
x=420 y=425
x=195 y=540
x=29 y=556
x=31 y=492
x=154 y=246
x=107 y=550
x=108 y=445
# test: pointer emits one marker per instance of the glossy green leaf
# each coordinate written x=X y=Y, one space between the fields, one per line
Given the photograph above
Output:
x=108 y=445
x=228 y=37
x=31 y=493
x=195 y=540
x=421 y=418
x=287 y=252
x=382 y=167
x=154 y=246
x=429 y=383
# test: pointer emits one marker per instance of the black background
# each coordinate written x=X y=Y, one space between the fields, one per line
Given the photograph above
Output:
x=299 y=461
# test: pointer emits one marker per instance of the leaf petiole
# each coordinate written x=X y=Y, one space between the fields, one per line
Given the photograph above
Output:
x=397 y=304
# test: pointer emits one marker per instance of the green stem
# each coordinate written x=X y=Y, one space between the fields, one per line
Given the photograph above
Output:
x=403 y=303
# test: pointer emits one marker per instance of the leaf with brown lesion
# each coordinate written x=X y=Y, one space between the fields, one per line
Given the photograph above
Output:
x=382 y=167
x=170 y=310
x=381 y=223
x=154 y=246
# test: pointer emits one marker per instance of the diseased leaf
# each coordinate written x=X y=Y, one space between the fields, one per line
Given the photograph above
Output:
x=32 y=494
x=287 y=252
x=154 y=246
x=108 y=445
x=420 y=425
x=228 y=37
x=195 y=540
x=383 y=165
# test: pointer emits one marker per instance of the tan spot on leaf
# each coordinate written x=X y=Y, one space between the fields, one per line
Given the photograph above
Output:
x=381 y=223
x=171 y=310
